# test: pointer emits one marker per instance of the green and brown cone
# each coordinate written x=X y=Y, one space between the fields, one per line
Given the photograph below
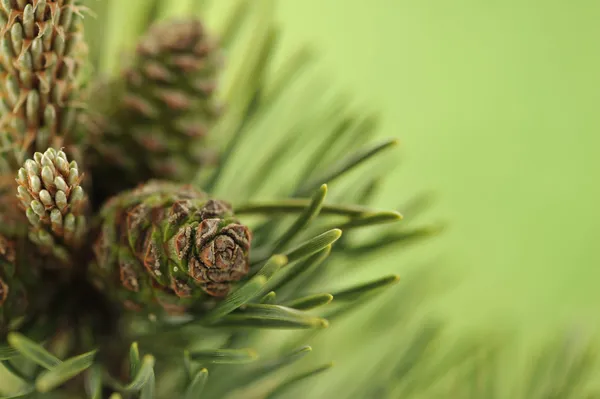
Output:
x=165 y=245
x=165 y=106
x=41 y=54
x=55 y=204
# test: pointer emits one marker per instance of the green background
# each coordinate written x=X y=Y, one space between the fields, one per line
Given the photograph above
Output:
x=496 y=107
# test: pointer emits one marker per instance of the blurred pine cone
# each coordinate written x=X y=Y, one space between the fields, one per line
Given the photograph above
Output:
x=169 y=244
x=42 y=52
x=164 y=107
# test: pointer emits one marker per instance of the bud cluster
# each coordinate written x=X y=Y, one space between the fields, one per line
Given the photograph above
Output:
x=50 y=192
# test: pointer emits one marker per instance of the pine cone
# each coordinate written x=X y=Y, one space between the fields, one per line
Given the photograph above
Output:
x=55 y=203
x=165 y=107
x=169 y=244
x=42 y=51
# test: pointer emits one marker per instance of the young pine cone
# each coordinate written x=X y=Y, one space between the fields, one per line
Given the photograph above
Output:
x=169 y=245
x=165 y=107
x=55 y=203
x=42 y=51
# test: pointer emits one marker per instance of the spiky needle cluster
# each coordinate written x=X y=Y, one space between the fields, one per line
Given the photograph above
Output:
x=154 y=252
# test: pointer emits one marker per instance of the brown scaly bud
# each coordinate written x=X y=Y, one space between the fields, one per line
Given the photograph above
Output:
x=41 y=54
x=49 y=191
x=169 y=245
x=165 y=105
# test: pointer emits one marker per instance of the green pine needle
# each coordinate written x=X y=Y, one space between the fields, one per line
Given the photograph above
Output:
x=197 y=385
x=293 y=66
x=32 y=351
x=311 y=211
x=269 y=298
x=223 y=356
x=145 y=375
x=24 y=393
x=12 y=369
x=345 y=166
x=372 y=219
x=297 y=205
x=314 y=245
x=94 y=382
x=309 y=302
x=294 y=380
x=271 y=317
x=149 y=388
x=134 y=359
x=64 y=371
x=235 y=20
x=394 y=239
x=8 y=352
x=303 y=267
x=267 y=368
x=358 y=291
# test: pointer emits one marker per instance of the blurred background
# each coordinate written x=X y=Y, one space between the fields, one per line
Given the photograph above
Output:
x=495 y=105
